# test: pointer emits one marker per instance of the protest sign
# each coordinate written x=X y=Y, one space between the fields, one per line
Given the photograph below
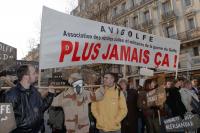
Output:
x=151 y=98
x=195 y=105
x=69 y=41
x=7 y=119
x=146 y=72
x=156 y=97
x=8 y=56
x=190 y=122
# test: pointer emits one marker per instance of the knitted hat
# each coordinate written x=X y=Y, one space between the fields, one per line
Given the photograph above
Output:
x=74 y=77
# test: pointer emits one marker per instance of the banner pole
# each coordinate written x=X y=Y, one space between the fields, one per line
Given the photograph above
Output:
x=59 y=87
x=176 y=74
x=124 y=72
x=39 y=78
x=177 y=66
x=159 y=117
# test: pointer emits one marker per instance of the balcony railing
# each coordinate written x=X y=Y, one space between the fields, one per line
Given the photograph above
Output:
x=136 y=27
x=111 y=1
x=173 y=36
x=187 y=35
x=121 y=12
x=168 y=15
x=93 y=9
x=131 y=8
x=147 y=23
x=192 y=63
x=144 y=1
x=196 y=60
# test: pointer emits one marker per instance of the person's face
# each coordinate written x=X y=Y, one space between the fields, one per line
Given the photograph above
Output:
x=32 y=76
x=108 y=80
x=179 y=83
x=123 y=85
x=152 y=85
x=195 y=82
x=168 y=84
x=188 y=86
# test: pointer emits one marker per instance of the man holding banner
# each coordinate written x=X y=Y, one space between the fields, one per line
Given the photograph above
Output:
x=72 y=41
x=110 y=111
x=28 y=105
x=74 y=102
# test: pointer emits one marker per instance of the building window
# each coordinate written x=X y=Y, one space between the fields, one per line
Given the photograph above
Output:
x=150 y=31
x=126 y=23
x=123 y=8
x=82 y=6
x=179 y=65
x=166 y=6
x=133 y=3
x=116 y=69
x=115 y=11
x=196 y=51
x=135 y=20
x=129 y=69
x=87 y=2
x=146 y=16
x=170 y=32
x=188 y=2
x=191 y=24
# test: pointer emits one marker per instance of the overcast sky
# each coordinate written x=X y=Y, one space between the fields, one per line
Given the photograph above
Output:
x=21 y=19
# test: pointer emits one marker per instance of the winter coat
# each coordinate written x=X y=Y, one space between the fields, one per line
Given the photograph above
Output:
x=28 y=106
x=110 y=111
x=75 y=108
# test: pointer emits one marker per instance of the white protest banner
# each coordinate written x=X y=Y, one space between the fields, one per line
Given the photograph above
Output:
x=68 y=41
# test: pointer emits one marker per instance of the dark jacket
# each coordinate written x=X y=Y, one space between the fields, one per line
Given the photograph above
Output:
x=129 y=124
x=174 y=102
x=196 y=91
x=28 y=106
x=56 y=118
x=2 y=96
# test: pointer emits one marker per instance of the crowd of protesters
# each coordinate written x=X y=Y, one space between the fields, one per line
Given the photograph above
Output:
x=122 y=110
x=116 y=107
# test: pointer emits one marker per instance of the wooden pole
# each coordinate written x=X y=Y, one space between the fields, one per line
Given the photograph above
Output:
x=176 y=74
x=124 y=71
x=159 y=117
x=39 y=78
x=59 y=87
x=177 y=67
